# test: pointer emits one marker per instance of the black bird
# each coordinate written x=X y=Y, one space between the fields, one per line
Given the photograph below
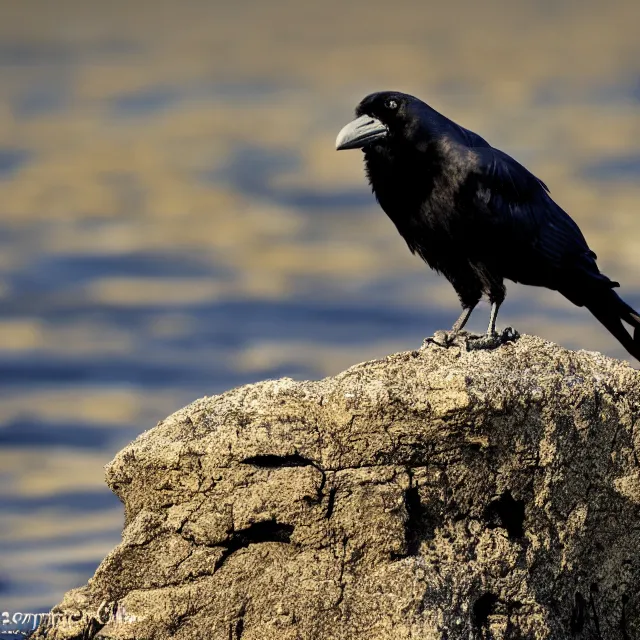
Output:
x=477 y=216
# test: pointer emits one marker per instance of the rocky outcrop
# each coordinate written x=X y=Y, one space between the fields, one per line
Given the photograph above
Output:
x=434 y=494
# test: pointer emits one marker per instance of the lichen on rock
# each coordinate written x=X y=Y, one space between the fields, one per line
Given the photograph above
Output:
x=433 y=494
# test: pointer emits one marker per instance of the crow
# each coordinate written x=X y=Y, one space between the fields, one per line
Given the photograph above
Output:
x=477 y=216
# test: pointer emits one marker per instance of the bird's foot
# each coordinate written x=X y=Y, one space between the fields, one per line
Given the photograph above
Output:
x=492 y=341
x=450 y=338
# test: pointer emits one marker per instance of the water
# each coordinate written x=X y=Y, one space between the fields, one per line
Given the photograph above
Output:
x=174 y=220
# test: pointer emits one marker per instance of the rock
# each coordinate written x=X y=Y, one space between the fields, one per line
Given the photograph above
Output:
x=433 y=494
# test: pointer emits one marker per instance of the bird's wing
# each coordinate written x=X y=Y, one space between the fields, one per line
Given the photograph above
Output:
x=536 y=239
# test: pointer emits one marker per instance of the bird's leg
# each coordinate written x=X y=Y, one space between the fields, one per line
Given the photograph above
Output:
x=447 y=338
x=460 y=323
x=491 y=339
x=493 y=316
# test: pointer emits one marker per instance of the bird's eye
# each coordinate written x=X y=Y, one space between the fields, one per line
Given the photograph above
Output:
x=391 y=104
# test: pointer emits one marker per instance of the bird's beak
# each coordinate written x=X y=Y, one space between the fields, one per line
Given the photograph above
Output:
x=360 y=132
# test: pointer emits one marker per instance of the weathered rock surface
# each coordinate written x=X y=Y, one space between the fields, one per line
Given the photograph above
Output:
x=433 y=494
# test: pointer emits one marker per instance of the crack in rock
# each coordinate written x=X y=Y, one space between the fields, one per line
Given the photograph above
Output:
x=269 y=531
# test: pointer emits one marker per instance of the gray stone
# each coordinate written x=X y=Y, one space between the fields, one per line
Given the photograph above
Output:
x=433 y=494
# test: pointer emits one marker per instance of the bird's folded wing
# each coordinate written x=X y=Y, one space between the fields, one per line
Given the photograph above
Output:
x=530 y=231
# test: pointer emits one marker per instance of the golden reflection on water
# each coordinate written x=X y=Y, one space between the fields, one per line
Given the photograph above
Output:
x=174 y=219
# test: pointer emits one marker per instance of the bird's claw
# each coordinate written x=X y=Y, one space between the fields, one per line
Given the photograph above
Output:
x=492 y=341
x=471 y=341
x=440 y=338
x=448 y=339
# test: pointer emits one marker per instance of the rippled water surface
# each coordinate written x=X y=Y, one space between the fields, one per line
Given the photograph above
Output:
x=174 y=220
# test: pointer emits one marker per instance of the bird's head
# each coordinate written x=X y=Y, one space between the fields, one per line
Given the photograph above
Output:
x=381 y=118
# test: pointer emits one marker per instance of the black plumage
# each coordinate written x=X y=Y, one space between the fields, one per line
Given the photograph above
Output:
x=477 y=216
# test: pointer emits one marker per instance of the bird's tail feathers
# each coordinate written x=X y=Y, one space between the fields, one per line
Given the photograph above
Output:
x=634 y=321
x=630 y=316
x=611 y=310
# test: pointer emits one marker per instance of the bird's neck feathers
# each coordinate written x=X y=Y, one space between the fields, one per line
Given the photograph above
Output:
x=406 y=174
x=434 y=127
x=402 y=157
x=400 y=177
x=392 y=158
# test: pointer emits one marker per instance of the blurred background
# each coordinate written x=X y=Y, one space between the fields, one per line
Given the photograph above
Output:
x=174 y=220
